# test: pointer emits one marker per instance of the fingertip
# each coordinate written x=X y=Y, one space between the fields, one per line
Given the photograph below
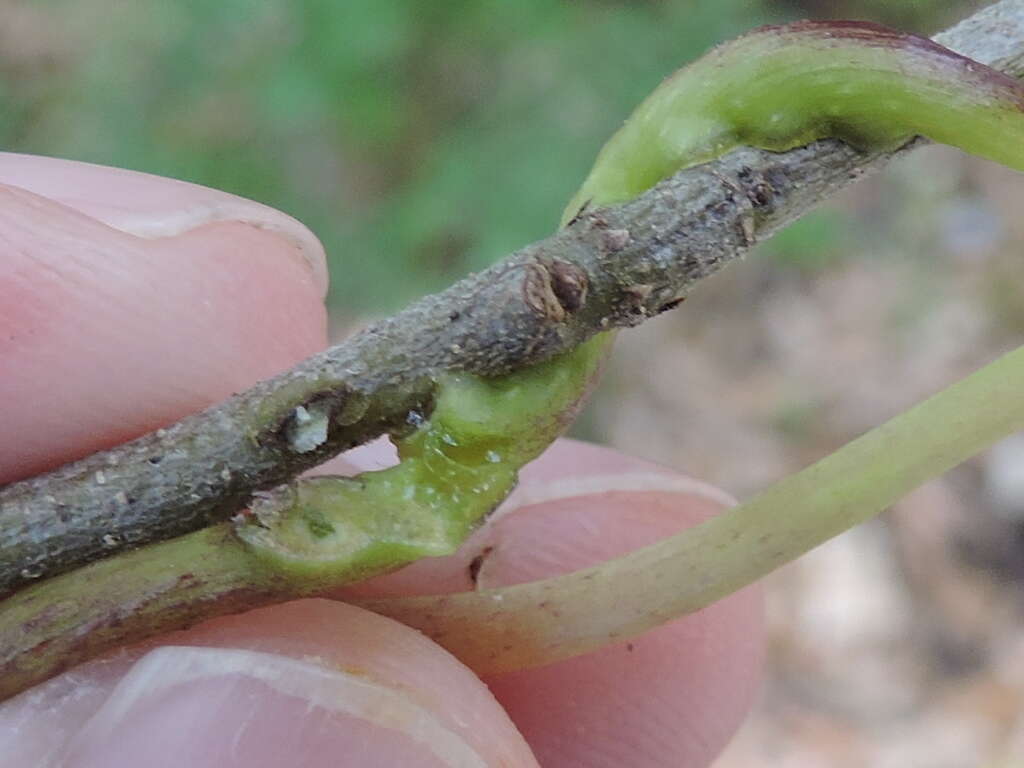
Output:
x=303 y=683
x=674 y=695
x=154 y=207
x=106 y=335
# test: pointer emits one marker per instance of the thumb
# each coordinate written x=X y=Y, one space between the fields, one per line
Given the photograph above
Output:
x=312 y=683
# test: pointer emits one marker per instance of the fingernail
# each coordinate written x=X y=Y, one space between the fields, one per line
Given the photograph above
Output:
x=566 y=524
x=639 y=481
x=223 y=707
x=151 y=206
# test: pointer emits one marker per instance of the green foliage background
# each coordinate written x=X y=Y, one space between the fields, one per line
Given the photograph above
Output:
x=419 y=140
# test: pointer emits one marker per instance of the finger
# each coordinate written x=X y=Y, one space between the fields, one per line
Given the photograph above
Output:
x=106 y=334
x=672 y=697
x=311 y=683
x=152 y=206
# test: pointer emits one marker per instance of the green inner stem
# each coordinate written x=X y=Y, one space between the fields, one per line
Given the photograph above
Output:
x=777 y=88
x=454 y=470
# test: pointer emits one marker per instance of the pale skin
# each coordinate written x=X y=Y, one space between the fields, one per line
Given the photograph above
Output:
x=128 y=301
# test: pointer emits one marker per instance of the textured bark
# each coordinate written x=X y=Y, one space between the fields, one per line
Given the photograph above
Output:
x=611 y=268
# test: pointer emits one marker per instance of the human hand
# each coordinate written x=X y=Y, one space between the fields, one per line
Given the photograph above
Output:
x=128 y=301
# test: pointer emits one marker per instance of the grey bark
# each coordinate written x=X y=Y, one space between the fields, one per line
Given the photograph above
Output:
x=612 y=268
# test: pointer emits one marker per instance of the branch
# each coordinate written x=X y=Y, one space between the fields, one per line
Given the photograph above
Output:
x=611 y=268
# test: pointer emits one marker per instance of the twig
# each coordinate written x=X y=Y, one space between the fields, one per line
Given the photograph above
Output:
x=612 y=268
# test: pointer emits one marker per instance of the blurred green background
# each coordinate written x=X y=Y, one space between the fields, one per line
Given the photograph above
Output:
x=419 y=140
